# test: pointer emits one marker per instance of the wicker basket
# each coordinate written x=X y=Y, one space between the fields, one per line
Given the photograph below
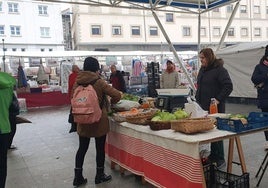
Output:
x=119 y=118
x=159 y=125
x=192 y=125
x=140 y=119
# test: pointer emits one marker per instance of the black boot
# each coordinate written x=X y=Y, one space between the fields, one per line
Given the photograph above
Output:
x=73 y=128
x=101 y=177
x=78 y=177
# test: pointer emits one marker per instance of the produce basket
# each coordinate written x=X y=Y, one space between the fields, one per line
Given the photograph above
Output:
x=119 y=118
x=159 y=125
x=220 y=179
x=141 y=118
x=192 y=125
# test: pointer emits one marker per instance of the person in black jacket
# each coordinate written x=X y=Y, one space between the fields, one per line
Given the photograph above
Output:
x=260 y=80
x=117 y=79
x=213 y=81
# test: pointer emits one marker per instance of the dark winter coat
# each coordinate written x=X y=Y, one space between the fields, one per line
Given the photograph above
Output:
x=213 y=82
x=118 y=82
x=260 y=80
x=102 y=89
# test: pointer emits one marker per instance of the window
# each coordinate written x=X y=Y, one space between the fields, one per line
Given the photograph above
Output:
x=135 y=30
x=1 y=6
x=243 y=9
x=229 y=8
x=14 y=49
x=216 y=31
x=45 y=31
x=153 y=31
x=96 y=30
x=256 y=9
x=22 y=49
x=203 y=32
x=116 y=30
x=2 y=30
x=50 y=49
x=169 y=17
x=13 y=7
x=244 y=32
x=231 y=32
x=15 y=30
x=42 y=49
x=216 y=10
x=266 y=9
x=42 y=10
x=186 y=31
x=257 y=32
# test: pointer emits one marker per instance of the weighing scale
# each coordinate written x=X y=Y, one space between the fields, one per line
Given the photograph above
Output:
x=170 y=99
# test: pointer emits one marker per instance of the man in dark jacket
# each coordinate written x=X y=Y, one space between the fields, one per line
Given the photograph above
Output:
x=260 y=80
x=117 y=79
x=213 y=81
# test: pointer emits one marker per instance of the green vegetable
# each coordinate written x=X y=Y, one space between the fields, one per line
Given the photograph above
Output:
x=130 y=97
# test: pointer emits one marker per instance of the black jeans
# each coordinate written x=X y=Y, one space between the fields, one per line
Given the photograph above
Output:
x=3 y=158
x=83 y=147
x=265 y=132
x=12 y=120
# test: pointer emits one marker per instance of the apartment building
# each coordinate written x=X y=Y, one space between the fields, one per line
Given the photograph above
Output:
x=27 y=26
x=115 y=29
x=42 y=26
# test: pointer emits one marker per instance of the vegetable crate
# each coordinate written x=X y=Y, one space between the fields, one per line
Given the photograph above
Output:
x=255 y=120
x=216 y=178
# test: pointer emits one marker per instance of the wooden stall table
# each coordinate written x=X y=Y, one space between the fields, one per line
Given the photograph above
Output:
x=166 y=158
x=55 y=98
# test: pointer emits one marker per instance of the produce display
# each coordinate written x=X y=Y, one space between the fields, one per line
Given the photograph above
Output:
x=130 y=97
x=167 y=116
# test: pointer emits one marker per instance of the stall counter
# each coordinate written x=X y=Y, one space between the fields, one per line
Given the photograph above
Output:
x=56 y=98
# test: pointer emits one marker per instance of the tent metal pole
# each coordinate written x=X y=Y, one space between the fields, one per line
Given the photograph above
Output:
x=228 y=25
x=174 y=51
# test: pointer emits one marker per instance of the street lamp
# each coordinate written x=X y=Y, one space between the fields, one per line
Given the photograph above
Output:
x=4 y=56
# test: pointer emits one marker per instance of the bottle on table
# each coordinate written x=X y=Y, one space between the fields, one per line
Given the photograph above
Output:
x=213 y=108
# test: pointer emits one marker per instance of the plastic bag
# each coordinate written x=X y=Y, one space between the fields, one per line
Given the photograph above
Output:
x=194 y=109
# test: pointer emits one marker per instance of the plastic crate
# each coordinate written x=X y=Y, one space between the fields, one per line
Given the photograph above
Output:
x=216 y=178
x=255 y=120
x=232 y=125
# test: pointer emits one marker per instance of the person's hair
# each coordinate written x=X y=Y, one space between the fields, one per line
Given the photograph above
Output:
x=74 y=67
x=113 y=65
x=266 y=52
x=91 y=64
x=209 y=54
x=168 y=61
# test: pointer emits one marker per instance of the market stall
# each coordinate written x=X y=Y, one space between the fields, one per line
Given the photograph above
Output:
x=167 y=148
x=166 y=158
x=55 y=98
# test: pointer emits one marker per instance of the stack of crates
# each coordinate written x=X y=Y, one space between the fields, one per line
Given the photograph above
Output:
x=153 y=78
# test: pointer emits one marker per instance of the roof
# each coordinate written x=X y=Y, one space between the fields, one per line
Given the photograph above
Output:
x=194 y=6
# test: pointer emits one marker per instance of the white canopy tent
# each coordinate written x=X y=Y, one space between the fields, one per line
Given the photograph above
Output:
x=181 y=6
x=240 y=61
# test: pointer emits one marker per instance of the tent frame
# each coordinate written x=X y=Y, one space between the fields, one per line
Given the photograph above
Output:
x=197 y=7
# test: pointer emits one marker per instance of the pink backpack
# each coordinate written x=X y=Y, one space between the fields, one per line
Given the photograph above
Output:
x=85 y=105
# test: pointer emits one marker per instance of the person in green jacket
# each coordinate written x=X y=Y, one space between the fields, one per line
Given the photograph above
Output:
x=7 y=83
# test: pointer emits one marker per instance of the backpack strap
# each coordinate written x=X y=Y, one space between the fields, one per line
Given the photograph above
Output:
x=103 y=97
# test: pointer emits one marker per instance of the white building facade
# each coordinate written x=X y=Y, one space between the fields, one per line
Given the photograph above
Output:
x=116 y=29
x=30 y=26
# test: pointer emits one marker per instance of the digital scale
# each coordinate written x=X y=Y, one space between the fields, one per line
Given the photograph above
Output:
x=169 y=99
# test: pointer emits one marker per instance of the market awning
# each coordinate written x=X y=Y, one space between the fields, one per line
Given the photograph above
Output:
x=192 y=6
x=183 y=6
